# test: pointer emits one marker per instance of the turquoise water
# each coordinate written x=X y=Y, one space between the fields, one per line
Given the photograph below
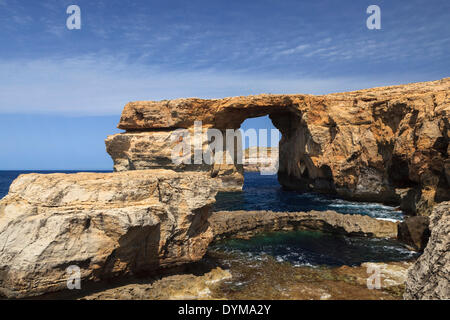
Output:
x=265 y=193
x=309 y=248
x=313 y=248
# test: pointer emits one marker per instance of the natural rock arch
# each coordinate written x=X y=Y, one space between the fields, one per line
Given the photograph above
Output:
x=344 y=143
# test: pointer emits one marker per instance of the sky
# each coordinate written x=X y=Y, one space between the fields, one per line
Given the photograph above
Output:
x=62 y=91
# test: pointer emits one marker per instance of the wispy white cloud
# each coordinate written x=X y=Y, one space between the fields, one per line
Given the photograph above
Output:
x=196 y=40
x=24 y=19
x=297 y=49
x=194 y=53
x=390 y=47
x=94 y=85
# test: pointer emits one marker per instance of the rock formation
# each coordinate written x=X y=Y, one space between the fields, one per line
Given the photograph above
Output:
x=153 y=150
x=387 y=144
x=414 y=232
x=173 y=287
x=107 y=224
x=245 y=224
x=303 y=283
x=429 y=277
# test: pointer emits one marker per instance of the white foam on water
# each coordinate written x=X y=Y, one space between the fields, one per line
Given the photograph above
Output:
x=362 y=205
x=304 y=264
x=400 y=249
x=389 y=219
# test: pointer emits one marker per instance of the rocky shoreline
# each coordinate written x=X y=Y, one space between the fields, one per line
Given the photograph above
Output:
x=342 y=283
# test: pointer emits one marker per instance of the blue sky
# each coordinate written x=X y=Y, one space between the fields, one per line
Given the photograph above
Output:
x=62 y=91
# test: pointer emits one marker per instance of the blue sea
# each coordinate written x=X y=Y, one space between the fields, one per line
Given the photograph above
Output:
x=263 y=192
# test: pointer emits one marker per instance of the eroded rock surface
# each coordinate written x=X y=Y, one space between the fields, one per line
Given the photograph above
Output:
x=248 y=223
x=156 y=149
x=414 y=231
x=174 y=287
x=429 y=277
x=273 y=281
x=267 y=278
x=107 y=224
x=388 y=144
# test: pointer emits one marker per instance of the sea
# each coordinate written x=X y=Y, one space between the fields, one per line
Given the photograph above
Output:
x=263 y=192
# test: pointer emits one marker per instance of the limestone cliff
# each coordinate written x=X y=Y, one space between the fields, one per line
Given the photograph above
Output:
x=153 y=150
x=386 y=144
x=107 y=224
x=429 y=277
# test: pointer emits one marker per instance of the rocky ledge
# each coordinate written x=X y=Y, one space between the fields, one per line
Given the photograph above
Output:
x=107 y=224
x=244 y=224
x=273 y=281
x=184 y=286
